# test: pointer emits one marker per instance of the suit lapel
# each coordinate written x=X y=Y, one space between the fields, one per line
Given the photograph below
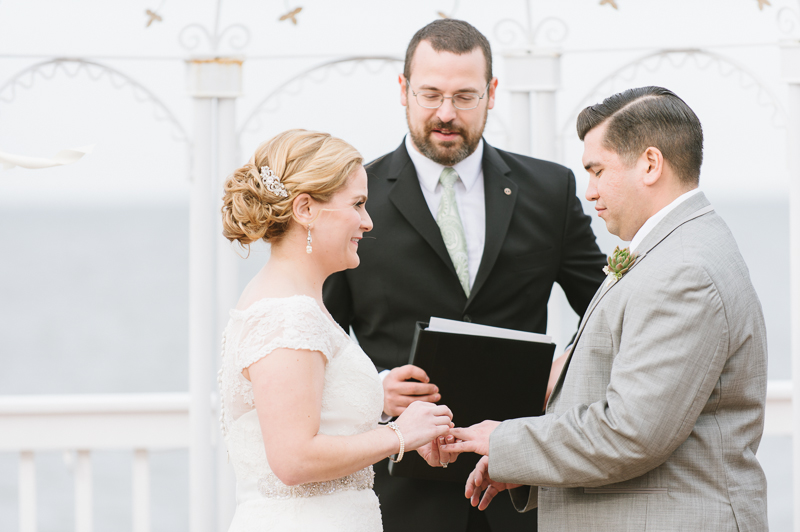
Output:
x=690 y=209
x=499 y=209
x=407 y=196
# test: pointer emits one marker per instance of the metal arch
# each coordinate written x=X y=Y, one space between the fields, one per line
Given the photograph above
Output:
x=746 y=80
x=117 y=79
x=284 y=88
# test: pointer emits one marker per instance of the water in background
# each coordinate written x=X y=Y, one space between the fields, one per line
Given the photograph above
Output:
x=95 y=300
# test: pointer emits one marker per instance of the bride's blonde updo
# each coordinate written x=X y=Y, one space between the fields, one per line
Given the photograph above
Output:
x=310 y=162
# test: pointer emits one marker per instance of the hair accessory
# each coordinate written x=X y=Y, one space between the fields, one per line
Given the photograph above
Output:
x=272 y=182
x=308 y=241
x=392 y=425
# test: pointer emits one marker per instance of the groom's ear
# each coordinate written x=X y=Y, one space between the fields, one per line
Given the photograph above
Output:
x=652 y=162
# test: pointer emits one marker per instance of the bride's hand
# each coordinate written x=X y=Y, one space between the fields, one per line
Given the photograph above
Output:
x=423 y=422
x=435 y=457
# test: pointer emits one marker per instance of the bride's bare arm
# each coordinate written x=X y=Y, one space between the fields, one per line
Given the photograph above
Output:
x=287 y=388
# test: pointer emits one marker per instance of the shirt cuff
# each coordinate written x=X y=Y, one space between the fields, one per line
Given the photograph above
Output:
x=385 y=418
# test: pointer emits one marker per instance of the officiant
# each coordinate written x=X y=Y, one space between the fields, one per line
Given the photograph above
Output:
x=464 y=231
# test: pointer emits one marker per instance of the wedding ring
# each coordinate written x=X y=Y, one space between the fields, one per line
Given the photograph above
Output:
x=443 y=464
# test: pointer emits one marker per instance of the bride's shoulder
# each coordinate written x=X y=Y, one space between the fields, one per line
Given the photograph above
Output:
x=293 y=312
x=295 y=322
x=275 y=304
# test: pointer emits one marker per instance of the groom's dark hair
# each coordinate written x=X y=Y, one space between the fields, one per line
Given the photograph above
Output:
x=450 y=35
x=649 y=116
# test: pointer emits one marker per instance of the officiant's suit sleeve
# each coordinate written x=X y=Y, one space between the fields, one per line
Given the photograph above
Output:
x=671 y=341
x=580 y=270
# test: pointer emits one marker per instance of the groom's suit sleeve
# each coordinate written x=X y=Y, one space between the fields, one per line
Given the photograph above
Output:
x=672 y=346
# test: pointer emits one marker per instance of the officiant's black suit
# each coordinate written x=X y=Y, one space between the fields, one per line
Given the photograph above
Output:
x=536 y=234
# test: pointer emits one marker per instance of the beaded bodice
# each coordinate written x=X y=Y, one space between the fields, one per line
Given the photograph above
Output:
x=352 y=396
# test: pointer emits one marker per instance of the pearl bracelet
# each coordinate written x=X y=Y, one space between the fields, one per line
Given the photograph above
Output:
x=392 y=425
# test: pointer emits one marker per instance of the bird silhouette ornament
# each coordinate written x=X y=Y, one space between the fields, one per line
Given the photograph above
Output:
x=153 y=17
x=291 y=15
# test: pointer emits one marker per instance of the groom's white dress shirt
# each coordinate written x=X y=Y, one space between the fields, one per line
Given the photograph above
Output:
x=651 y=222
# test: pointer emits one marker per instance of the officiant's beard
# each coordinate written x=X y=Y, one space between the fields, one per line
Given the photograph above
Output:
x=446 y=153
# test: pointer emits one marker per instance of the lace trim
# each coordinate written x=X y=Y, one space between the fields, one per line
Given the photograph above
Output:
x=272 y=488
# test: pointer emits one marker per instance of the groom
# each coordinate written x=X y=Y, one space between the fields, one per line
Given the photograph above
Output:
x=657 y=422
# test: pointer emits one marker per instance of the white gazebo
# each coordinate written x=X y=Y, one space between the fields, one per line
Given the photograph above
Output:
x=266 y=68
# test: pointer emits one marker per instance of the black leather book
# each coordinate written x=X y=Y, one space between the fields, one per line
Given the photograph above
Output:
x=479 y=377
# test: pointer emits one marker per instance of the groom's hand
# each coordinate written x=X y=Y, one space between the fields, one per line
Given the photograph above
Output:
x=399 y=391
x=475 y=439
x=431 y=453
x=479 y=481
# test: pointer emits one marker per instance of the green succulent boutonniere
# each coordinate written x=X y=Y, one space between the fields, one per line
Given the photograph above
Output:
x=619 y=262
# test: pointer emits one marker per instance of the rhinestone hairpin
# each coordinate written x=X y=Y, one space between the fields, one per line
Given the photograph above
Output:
x=272 y=182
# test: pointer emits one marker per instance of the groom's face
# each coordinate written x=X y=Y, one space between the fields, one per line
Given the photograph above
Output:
x=446 y=135
x=615 y=186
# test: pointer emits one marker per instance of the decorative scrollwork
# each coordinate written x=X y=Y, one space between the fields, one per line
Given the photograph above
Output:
x=94 y=71
x=554 y=30
x=191 y=37
x=511 y=33
x=237 y=37
x=549 y=31
x=788 y=20
x=317 y=74
x=703 y=60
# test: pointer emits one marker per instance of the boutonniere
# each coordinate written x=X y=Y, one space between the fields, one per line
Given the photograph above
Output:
x=619 y=263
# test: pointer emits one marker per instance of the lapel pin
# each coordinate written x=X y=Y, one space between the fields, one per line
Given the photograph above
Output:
x=507 y=191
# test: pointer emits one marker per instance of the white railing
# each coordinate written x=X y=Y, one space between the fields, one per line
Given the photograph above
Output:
x=86 y=423
x=146 y=422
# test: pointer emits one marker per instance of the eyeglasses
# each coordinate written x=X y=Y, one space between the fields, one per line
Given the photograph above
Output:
x=463 y=101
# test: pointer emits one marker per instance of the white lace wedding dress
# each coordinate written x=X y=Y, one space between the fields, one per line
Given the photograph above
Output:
x=352 y=401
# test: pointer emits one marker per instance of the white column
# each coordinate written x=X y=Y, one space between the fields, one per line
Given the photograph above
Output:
x=227 y=294
x=533 y=76
x=141 y=491
x=519 y=140
x=27 y=492
x=83 y=492
x=790 y=58
x=209 y=79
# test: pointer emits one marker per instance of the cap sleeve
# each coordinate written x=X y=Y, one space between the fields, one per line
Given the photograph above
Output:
x=291 y=323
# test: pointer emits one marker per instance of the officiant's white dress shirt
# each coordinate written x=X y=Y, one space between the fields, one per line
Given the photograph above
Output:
x=470 y=197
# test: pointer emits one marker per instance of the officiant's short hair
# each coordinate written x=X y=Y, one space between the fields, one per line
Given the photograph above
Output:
x=450 y=35
x=649 y=116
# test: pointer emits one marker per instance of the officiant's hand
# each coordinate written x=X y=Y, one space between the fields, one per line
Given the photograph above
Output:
x=399 y=392
x=474 y=439
x=431 y=453
x=479 y=481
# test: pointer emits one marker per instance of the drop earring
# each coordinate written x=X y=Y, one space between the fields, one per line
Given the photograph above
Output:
x=308 y=241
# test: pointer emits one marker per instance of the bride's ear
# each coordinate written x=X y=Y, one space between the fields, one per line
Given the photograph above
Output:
x=304 y=209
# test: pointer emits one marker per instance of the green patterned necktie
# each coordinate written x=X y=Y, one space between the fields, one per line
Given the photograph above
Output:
x=450 y=225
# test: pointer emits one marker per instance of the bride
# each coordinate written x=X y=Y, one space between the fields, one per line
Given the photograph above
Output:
x=301 y=401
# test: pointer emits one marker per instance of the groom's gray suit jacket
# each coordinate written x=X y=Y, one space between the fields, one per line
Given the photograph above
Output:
x=656 y=419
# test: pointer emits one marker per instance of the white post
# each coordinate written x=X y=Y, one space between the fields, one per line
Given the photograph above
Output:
x=520 y=122
x=227 y=294
x=141 y=491
x=209 y=79
x=790 y=58
x=27 y=492
x=83 y=491
x=533 y=76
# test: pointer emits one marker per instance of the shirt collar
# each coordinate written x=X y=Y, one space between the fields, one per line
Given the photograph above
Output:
x=428 y=171
x=651 y=222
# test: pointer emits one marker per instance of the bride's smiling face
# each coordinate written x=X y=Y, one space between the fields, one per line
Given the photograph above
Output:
x=342 y=223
